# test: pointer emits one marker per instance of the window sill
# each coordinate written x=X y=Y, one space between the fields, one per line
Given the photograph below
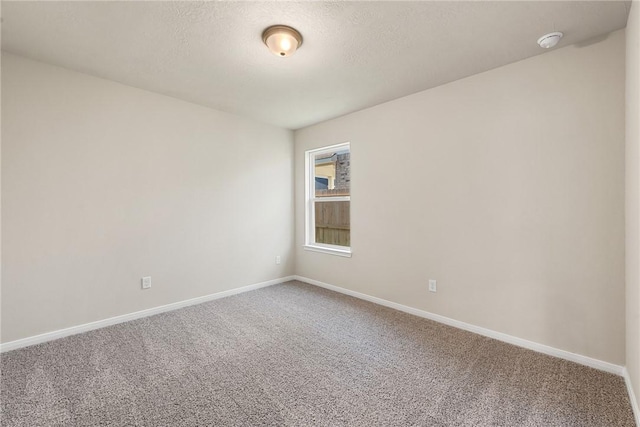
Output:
x=330 y=251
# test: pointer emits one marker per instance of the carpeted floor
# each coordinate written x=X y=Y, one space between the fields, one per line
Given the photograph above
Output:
x=297 y=355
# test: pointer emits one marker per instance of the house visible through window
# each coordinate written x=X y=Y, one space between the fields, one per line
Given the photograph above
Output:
x=328 y=218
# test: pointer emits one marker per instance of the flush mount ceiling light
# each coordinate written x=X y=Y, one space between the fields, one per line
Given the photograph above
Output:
x=550 y=40
x=282 y=40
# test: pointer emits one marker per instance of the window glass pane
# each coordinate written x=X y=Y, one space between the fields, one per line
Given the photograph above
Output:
x=333 y=225
x=332 y=172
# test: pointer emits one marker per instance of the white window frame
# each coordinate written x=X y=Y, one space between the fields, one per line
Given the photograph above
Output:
x=310 y=200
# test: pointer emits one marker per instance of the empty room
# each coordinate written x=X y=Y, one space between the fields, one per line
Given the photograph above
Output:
x=320 y=213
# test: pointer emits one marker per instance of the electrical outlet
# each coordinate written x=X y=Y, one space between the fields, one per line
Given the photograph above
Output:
x=146 y=282
x=278 y=259
x=433 y=285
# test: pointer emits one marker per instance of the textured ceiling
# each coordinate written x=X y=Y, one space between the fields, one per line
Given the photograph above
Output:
x=355 y=54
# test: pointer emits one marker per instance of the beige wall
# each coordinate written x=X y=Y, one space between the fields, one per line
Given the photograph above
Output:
x=633 y=197
x=103 y=184
x=507 y=187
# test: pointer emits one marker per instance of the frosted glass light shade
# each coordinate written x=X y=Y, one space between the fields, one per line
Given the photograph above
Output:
x=282 y=40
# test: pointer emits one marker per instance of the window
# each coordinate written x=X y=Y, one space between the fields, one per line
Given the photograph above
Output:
x=328 y=200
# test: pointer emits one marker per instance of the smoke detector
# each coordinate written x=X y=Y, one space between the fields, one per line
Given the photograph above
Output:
x=550 y=40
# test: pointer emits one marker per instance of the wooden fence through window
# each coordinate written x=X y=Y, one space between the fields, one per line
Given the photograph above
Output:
x=333 y=219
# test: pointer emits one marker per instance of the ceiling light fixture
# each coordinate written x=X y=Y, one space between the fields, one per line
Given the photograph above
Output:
x=550 y=40
x=282 y=40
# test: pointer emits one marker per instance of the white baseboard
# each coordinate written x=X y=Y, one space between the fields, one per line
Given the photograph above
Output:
x=49 y=336
x=541 y=348
x=632 y=396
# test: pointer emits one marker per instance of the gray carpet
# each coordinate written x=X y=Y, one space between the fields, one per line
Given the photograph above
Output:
x=297 y=355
